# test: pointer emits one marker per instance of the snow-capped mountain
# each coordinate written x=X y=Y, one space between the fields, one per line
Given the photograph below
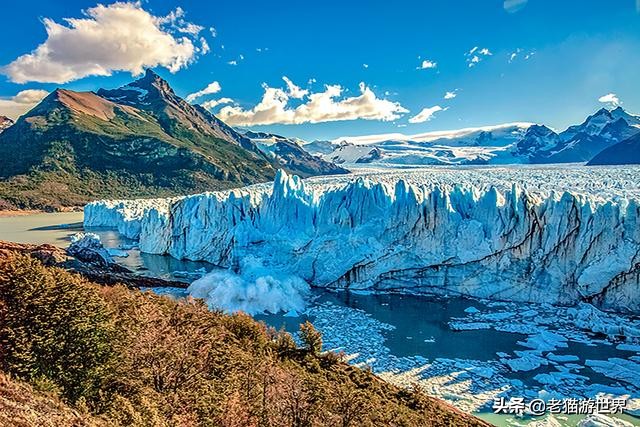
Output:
x=580 y=143
x=319 y=146
x=5 y=122
x=512 y=143
x=537 y=139
x=289 y=154
x=597 y=123
x=463 y=146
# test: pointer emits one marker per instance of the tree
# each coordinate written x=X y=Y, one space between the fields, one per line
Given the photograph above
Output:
x=311 y=337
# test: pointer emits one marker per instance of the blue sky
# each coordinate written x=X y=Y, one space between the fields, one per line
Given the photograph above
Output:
x=568 y=55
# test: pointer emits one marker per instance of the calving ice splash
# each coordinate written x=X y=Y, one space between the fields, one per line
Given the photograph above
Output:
x=430 y=234
x=252 y=289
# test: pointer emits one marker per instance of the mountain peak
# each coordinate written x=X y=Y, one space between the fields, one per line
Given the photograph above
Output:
x=152 y=81
x=536 y=129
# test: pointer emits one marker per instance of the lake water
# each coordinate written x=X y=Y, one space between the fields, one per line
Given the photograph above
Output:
x=394 y=334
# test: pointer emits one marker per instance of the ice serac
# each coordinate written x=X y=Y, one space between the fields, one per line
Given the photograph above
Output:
x=431 y=238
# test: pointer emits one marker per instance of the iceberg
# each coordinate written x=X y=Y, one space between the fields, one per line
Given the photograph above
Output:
x=425 y=232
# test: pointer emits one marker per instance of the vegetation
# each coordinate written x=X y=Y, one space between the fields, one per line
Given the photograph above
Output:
x=76 y=353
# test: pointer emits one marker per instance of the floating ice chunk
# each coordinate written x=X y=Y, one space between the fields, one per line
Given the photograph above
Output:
x=292 y=313
x=471 y=309
x=599 y=420
x=628 y=347
x=559 y=378
x=590 y=318
x=619 y=369
x=527 y=361
x=119 y=253
x=562 y=358
x=544 y=341
x=469 y=326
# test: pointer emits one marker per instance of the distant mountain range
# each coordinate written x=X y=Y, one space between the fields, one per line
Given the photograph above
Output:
x=138 y=140
x=512 y=143
x=289 y=154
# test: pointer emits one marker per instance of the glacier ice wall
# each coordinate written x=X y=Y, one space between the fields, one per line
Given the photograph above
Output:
x=431 y=238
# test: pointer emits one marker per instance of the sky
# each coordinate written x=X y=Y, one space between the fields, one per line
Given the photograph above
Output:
x=329 y=69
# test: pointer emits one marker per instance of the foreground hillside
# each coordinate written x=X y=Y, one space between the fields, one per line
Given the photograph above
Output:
x=138 y=140
x=116 y=356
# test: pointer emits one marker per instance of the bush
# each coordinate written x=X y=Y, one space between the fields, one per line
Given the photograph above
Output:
x=54 y=328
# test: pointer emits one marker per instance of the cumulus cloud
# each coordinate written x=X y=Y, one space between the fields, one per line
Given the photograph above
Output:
x=294 y=91
x=22 y=102
x=213 y=87
x=476 y=55
x=451 y=94
x=610 y=98
x=118 y=37
x=426 y=114
x=427 y=64
x=325 y=106
x=212 y=103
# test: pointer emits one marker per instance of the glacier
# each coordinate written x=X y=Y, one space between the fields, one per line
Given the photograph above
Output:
x=547 y=235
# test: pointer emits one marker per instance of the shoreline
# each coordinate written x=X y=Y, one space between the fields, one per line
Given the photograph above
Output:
x=26 y=212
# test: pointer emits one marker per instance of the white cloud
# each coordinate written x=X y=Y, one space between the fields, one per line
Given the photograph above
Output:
x=426 y=114
x=213 y=87
x=204 y=46
x=514 y=54
x=294 y=91
x=212 y=103
x=512 y=6
x=317 y=107
x=517 y=53
x=233 y=62
x=427 y=64
x=610 y=98
x=365 y=65
x=22 y=102
x=476 y=54
x=213 y=31
x=118 y=37
x=451 y=94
